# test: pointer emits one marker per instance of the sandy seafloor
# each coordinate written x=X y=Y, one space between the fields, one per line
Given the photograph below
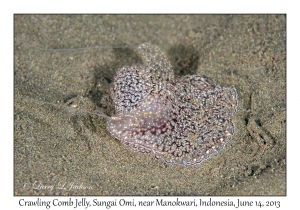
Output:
x=55 y=143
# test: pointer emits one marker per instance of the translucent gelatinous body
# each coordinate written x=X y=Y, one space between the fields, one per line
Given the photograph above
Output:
x=182 y=120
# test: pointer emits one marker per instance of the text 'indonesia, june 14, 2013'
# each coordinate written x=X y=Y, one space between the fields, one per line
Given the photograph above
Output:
x=162 y=202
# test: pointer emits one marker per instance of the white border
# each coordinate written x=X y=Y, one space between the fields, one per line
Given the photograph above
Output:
x=154 y=6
